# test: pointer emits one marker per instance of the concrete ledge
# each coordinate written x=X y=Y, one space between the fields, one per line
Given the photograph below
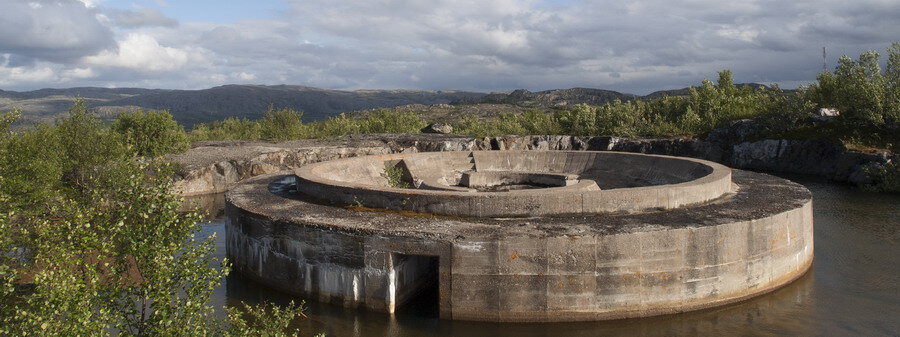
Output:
x=653 y=181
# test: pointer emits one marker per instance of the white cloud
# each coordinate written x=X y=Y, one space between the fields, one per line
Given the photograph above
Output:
x=78 y=73
x=59 y=31
x=631 y=45
x=739 y=33
x=10 y=76
x=141 y=52
x=244 y=76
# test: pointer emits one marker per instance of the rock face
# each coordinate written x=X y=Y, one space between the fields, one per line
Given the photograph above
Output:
x=438 y=128
x=738 y=131
x=214 y=167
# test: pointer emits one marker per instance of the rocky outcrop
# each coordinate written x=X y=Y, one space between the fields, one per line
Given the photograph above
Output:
x=438 y=128
x=226 y=166
x=213 y=167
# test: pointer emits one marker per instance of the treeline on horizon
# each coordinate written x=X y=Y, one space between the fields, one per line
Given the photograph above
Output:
x=866 y=97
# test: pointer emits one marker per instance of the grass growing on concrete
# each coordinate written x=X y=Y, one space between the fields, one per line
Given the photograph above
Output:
x=394 y=175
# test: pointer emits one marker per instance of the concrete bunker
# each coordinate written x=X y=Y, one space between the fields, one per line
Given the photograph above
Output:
x=522 y=235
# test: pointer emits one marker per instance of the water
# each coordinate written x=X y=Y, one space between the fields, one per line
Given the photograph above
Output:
x=852 y=289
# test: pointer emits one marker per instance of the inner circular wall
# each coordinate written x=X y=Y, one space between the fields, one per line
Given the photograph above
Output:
x=602 y=182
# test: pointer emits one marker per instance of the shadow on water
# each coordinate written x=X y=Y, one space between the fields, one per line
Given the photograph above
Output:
x=852 y=289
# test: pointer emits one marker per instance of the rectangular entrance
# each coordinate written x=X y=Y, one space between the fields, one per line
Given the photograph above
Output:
x=416 y=285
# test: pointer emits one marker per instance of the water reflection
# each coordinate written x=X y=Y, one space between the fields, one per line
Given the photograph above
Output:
x=852 y=289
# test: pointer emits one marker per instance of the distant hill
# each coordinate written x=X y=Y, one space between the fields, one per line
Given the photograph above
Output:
x=555 y=98
x=558 y=98
x=686 y=91
x=250 y=101
x=198 y=106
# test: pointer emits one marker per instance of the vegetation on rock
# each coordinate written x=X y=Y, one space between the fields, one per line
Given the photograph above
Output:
x=394 y=175
x=92 y=241
x=886 y=177
x=151 y=133
x=281 y=124
x=285 y=124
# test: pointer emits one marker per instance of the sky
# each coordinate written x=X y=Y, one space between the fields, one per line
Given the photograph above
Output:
x=633 y=46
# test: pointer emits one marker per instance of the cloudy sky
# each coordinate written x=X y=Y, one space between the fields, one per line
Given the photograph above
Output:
x=635 y=46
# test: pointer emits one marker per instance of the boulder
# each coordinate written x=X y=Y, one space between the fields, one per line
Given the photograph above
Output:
x=438 y=128
x=828 y=112
x=738 y=131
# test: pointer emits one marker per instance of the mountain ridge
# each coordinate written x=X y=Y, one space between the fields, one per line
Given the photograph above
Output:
x=190 y=107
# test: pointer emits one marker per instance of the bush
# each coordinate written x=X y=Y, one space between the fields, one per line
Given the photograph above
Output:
x=281 y=124
x=859 y=90
x=784 y=114
x=506 y=124
x=384 y=121
x=334 y=126
x=31 y=167
x=536 y=122
x=87 y=145
x=886 y=177
x=229 y=129
x=582 y=120
x=151 y=133
x=117 y=257
x=7 y=118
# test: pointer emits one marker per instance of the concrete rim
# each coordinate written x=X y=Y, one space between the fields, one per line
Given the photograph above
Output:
x=316 y=180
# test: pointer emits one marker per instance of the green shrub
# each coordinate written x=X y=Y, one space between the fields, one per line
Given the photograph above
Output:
x=506 y=124
x=264 y=320
x=583 y=120
x=87 y=145
x=334 y=126
x=7 y=118
x=859 y=90
x=384 y=121
x=886 y=177
x=782 y=115
x=31 y=166
x=229 y=129
x=719 y=104
x=116 y=257
x=281 y=124
x=394 y=175
x=536 y=122
x=151 y=133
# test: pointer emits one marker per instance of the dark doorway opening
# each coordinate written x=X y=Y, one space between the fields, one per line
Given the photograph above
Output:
x=417 y=285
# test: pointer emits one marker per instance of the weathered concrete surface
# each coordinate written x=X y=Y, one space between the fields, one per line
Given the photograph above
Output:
x=213 y=167
x=652 y=181
x=563 y=268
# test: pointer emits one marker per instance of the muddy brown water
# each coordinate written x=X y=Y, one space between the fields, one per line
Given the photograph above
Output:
x=852 y=289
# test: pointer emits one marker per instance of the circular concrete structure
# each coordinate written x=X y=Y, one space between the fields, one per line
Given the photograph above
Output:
x=522 y=235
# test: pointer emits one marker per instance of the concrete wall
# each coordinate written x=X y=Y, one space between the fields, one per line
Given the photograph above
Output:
x=629 y=275
x=554 y=269
x=331 y=266
x=691 y=181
